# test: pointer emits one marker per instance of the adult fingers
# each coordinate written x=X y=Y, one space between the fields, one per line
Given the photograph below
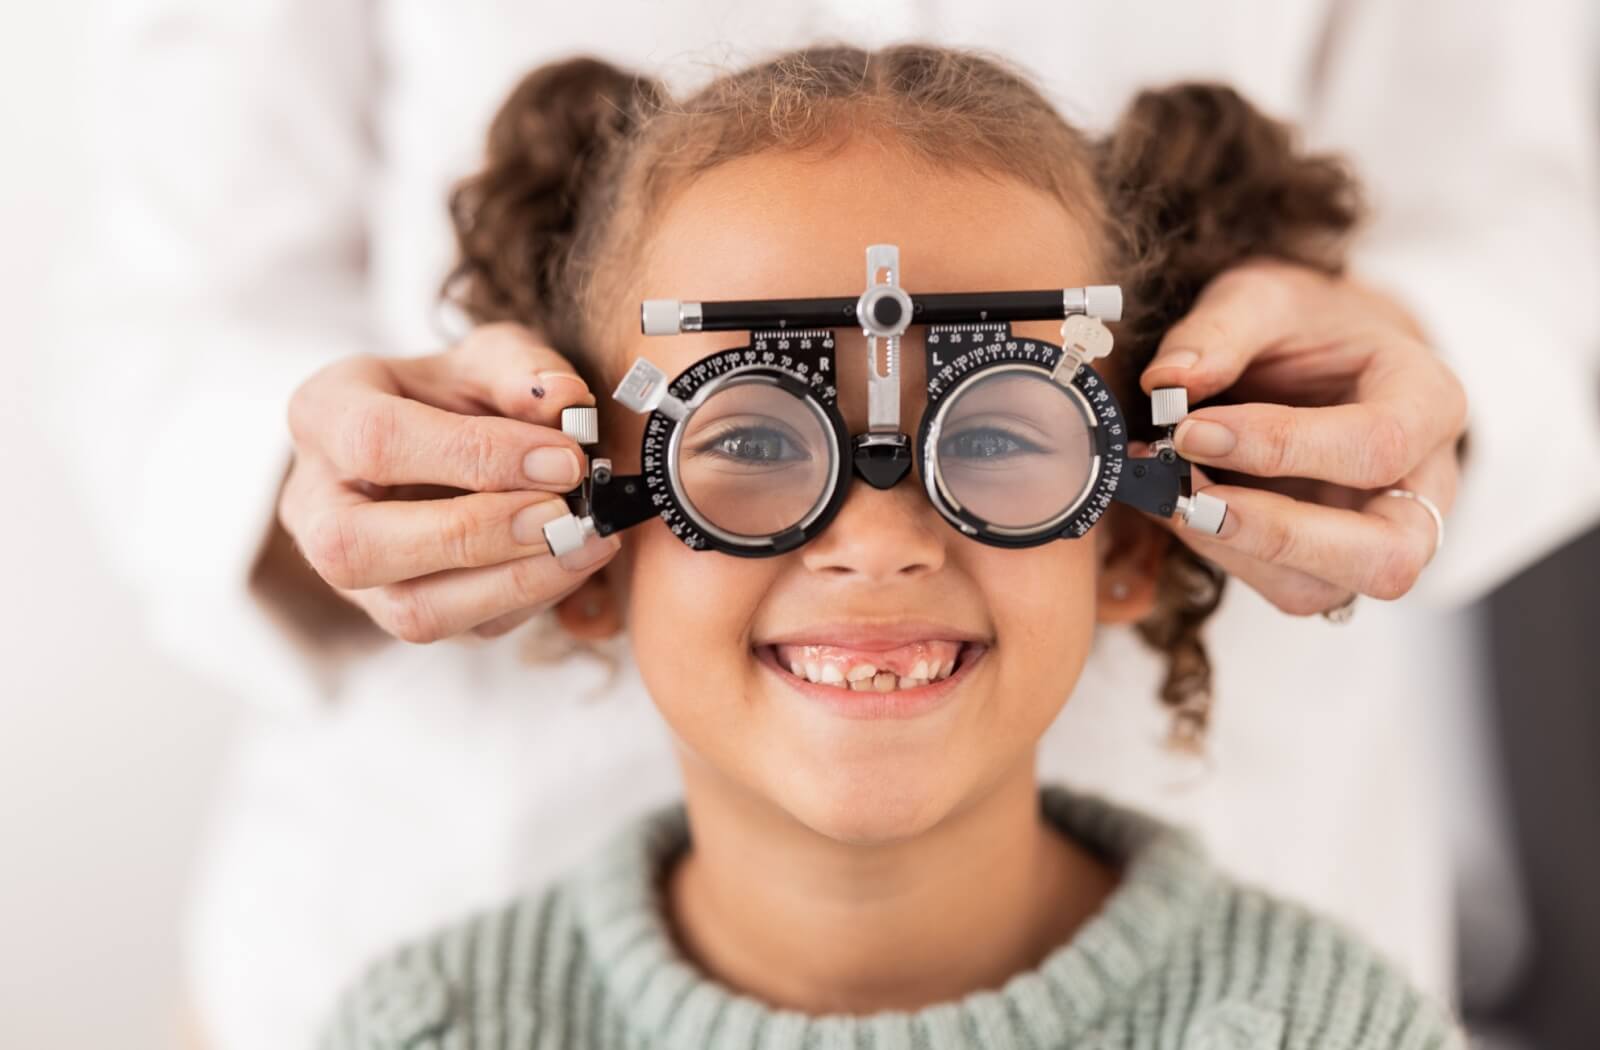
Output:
x=1241 y=313
x=374 y=435
x=502 y=625
x=312 y=488
x=1290 y=590
x=1437 y=477
x=430 y=607
x=501 y=369
x=1410 y=408
x=448 y=603
x=1379 y=551
x=368 y=544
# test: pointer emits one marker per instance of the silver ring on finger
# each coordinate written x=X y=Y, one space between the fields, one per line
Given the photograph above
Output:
x=1429 y=506
x=1342 y=612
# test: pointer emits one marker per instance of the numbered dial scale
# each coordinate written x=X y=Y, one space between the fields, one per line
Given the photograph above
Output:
x=1020 y=442
x=779 y=388
x=1052 y=497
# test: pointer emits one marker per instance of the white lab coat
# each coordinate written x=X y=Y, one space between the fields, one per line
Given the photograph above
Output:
x=272 y=196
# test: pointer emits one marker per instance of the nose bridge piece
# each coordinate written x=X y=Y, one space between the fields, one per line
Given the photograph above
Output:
x=883 y=455
x=881 y=460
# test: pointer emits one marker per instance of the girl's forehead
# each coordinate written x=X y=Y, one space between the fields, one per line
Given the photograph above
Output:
x=798 y=224
x=787 y=225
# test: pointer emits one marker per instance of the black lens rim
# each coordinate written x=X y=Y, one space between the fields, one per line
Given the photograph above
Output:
x=726 y=538
x=960 y=354
x=801 y=363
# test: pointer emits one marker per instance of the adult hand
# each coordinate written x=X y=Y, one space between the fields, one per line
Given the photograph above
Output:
x=420 y=486
x=1332 y=394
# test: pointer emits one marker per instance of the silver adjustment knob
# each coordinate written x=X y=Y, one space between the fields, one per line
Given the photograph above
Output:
x=1203 y=512
x=581 y=424
x=1103 y=301
x=567 y=534
x=1168 y=405
x=660 y=317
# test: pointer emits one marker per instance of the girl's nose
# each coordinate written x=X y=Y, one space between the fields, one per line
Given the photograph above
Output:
x=880 y=535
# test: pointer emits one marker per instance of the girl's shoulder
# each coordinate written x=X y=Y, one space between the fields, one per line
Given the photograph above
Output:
x=484 y=980
x=1264 y=972
x=1188 y=956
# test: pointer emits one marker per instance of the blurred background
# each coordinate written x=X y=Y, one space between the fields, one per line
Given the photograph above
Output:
x=109 y=752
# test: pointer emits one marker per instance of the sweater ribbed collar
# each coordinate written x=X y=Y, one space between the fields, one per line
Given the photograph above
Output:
x=1164 y=887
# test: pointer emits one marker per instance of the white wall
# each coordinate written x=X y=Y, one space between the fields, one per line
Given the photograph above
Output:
x=107 y=752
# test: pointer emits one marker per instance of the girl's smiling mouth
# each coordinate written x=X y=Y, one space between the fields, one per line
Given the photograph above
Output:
x=903 y=667
x=860 y=672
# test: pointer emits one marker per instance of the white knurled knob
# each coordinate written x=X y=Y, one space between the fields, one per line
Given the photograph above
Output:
x=581 y=424
x=1203 y=513
x=567 y=534
x=1168 y=405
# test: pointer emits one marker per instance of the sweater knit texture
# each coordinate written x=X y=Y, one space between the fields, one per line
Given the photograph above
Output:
x=1177 y=958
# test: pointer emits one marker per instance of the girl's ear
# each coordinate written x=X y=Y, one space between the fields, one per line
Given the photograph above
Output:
x=1130 y=567
x=593 y=611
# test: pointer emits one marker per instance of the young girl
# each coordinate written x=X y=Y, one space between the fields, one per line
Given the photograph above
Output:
x=881 y=868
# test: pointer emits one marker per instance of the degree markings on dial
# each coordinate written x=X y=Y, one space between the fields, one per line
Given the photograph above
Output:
x=1024 y=351
x=1000 y=347
x=805 y=355
x=801 y=354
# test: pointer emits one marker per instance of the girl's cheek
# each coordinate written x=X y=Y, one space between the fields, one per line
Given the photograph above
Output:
x=689 y=611
x=1042 y=600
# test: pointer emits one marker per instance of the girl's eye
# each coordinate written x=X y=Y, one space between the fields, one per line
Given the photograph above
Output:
x=985 y=444
x=753 y=445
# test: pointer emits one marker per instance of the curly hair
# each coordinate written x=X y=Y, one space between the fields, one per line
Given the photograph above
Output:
x=1191 y=181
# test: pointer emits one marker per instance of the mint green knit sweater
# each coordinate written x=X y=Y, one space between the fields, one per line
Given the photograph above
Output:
x=1176 y=958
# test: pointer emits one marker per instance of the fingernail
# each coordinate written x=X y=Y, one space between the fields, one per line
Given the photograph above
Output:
x=527 y=525
x=552 y=466
x=1201 y=437
x=547 y=379
x=595 y=550
x=1176 y=359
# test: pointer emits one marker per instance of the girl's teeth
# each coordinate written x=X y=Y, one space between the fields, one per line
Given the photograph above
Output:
x=863 y=677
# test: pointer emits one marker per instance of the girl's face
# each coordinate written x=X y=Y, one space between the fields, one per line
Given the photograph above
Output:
x=888 y=589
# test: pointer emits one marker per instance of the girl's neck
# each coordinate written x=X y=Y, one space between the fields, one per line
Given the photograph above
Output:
x=799 y=921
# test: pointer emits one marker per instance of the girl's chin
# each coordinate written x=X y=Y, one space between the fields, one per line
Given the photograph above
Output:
x=865 y=796
x=874 y=820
